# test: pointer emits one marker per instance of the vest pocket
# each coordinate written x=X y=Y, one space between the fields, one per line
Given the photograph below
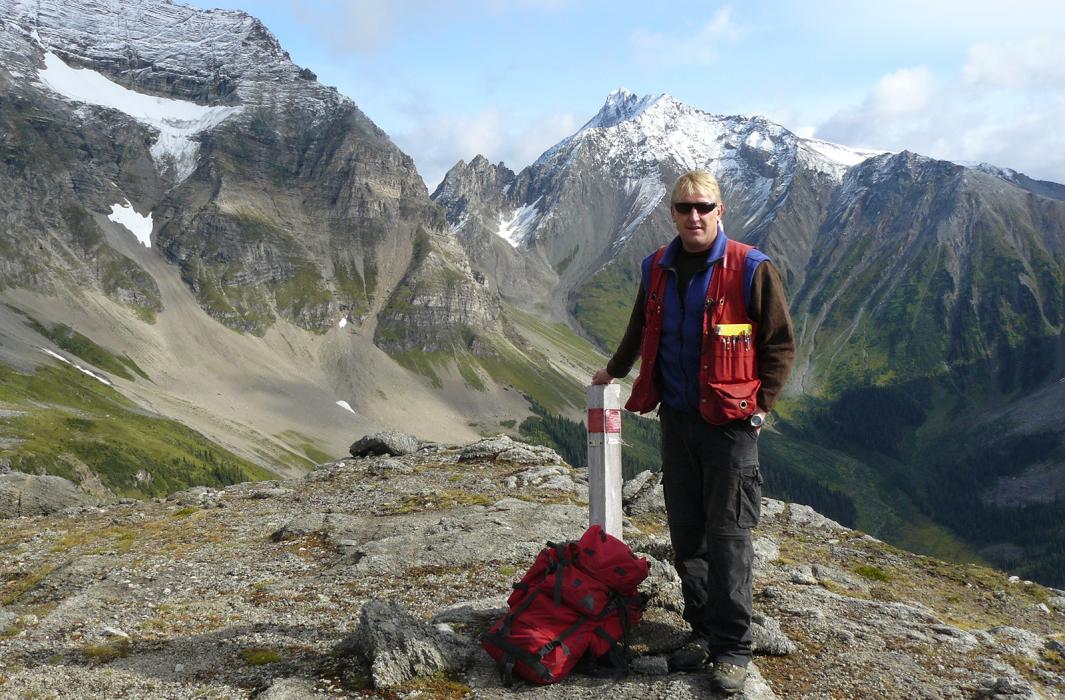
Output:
x=749 y=503
x=723 y=402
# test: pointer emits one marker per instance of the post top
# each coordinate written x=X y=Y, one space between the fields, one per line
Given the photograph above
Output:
x=604 y=396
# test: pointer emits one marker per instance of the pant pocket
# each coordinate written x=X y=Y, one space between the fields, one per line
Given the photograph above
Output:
x=749 y=503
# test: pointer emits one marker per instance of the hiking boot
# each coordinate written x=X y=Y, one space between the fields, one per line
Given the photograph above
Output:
x=728 y=678
x=692 y=656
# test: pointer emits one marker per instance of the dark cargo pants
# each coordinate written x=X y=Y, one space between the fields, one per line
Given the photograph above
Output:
x=713 y=498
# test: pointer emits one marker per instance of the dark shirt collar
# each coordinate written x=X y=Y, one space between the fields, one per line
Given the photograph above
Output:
x=717 y=250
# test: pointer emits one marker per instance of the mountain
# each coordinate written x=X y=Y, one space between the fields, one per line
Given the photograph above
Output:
x=224 y=245
x=214 y=268
x=928 y=298
x=591 y=206
x=374 y=576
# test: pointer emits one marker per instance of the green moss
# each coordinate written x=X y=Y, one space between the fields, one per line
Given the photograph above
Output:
x=258 y=656
x=873 y=573
x=105 y=653
x=439 y=685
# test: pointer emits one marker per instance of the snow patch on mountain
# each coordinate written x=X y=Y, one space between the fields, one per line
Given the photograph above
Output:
x=177 y=121
x=515 y=228
x=127 y=217
x=645 y=194
x=98 y=377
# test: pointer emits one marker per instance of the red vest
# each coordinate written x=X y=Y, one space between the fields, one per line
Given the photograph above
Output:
x=728 y=372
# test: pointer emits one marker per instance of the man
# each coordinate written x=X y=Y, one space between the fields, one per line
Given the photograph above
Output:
x=711 y=322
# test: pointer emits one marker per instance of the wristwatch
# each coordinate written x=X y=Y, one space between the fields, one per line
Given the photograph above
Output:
x=757 y=420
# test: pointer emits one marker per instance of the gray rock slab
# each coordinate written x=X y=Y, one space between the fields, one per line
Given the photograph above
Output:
x=383 y=466
x=68 y=579
x=475 y=613
x=509 y=530
x=30 y=494
x=291 y=689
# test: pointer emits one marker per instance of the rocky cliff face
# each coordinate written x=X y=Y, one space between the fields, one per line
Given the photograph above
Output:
x=441 y=305
x=274 y=195
x=377 y=574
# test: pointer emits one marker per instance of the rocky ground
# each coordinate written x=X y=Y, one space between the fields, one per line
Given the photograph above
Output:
x=372 y=576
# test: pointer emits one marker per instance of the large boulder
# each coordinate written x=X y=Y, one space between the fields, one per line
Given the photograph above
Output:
x=399 y=647
x=29 y=494
x=390 y=442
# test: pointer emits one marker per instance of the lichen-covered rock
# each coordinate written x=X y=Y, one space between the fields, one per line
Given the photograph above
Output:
x=198 y=497
x=503 y=448
x=557 y=478
x=634 y=485
x=804 y=516
x=400 y=647
x=292 y=689
x=766 y=551
x=335 y=526
x=389 y=442
x=769 y=638
x=650 y=499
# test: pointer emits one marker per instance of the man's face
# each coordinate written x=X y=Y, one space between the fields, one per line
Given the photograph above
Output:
x=697 y=231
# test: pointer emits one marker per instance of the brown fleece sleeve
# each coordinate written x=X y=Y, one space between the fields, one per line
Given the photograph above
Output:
x=775 y=338
x=629 y=347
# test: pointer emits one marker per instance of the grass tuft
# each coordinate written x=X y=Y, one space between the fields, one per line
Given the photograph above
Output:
x=258 y=656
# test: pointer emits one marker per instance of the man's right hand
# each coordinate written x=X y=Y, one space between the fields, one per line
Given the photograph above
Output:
x=602 y=377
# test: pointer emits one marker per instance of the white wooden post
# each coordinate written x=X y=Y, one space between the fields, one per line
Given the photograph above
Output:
x=604 y=457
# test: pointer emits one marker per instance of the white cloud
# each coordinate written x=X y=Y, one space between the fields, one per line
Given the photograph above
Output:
x=1037 y=63
x=687 y=46
x=437 y=143
x=1006 y=107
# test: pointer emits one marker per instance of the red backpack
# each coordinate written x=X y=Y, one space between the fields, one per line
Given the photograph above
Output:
x=578 y=597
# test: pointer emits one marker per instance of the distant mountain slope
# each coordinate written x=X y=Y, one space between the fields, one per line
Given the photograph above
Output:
x=926 y=295
x=174 y=189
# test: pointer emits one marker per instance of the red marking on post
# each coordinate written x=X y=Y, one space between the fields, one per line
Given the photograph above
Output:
x=604 y=421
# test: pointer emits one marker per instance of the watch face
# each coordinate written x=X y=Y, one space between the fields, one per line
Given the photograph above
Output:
x=757 y=420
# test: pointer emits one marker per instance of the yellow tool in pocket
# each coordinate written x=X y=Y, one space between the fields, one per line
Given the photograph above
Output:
x=730 y=329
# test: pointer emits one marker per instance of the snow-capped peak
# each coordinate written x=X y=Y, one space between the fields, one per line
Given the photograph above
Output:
x=621 y=105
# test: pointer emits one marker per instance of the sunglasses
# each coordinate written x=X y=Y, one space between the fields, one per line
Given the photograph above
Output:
x=701 y=207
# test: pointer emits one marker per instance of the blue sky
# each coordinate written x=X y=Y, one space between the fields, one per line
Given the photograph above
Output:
x=965 y=81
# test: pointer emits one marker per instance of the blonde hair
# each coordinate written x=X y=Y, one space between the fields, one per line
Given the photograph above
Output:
x=695 y=181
